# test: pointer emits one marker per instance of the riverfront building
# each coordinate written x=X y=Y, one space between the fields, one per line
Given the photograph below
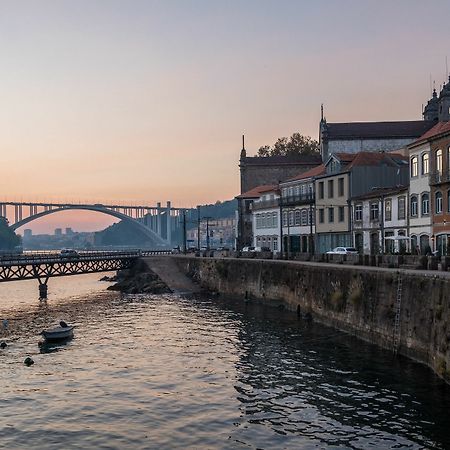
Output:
x=351 y=176
x=380 y=221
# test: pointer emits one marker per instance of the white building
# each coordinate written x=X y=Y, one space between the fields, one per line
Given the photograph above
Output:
x=381 y=217
x=419 y=195
x=266 y=219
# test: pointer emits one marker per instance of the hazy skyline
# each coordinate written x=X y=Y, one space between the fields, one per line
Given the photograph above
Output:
x=146 y=101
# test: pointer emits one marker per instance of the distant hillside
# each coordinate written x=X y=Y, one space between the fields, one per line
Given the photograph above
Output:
x=218 y=210
x=124 y=234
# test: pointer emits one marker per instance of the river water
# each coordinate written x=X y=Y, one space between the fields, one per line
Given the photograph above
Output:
x=164 y=372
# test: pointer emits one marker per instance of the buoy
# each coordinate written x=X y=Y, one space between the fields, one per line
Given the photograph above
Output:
x=28 y=361
x=63 y=324
x=3 y=344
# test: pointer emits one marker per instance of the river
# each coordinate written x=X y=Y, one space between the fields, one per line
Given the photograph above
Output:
x=163 y=372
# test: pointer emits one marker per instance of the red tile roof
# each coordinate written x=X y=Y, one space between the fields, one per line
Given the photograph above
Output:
x=258 y=190
x=314 y=172
x=345 y=157
x=375 y=158
x=376 y=193
x=438 y=129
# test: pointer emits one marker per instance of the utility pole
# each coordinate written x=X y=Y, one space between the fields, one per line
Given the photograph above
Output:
x=207 y=231
x=198 y=227
x=184 y=232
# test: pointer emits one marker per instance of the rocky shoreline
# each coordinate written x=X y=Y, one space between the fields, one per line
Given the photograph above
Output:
x=139 y=279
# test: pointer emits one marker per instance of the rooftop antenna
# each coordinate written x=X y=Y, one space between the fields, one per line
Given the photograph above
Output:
x=243 y=142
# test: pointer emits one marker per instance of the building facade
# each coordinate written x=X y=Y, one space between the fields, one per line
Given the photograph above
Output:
x=380 y=222
x=349 y=176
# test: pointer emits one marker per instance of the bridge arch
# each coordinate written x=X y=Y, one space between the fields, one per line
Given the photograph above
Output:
x=147 y=231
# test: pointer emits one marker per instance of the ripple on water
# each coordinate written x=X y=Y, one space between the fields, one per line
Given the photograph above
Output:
x=165 y=372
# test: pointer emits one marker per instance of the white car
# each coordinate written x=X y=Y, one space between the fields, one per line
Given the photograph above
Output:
x=343 y=251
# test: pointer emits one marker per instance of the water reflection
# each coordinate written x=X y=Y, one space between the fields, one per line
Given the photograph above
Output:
x=166 y=372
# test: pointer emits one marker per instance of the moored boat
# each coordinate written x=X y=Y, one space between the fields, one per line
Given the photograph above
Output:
x=58 y=333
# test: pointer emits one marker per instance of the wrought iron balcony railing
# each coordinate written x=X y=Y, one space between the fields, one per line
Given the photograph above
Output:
x=264 y=204
x=300 y=199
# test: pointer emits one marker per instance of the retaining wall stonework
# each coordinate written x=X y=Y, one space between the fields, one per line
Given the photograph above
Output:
x=359 y=300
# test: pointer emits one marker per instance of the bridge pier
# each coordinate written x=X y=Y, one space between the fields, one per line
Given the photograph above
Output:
x=43 y=288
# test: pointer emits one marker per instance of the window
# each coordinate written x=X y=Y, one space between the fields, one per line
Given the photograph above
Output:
x=304 y=217
x=275 y=243
x=330 y=215
x=414 y=166
x=439 y=161
x=388 y=210
x=438 y=206
x=341 y=187
x=425 y=204
x=341 y=214
x=358 y=213
x=297 y=217
x=401 y=208
x=321 y=216
x=285 y=219
x=330 y=188
x=274 y=219
x=258 y=221
x=425 y=164
x=321 y=189
x=448 y=201
x=414 y=206
x=374 y=211
x=291 y=218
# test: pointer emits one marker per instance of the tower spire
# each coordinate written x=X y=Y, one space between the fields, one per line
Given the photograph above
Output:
x=243 y=151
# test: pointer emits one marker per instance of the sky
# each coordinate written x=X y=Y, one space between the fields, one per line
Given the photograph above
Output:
x=146 y=101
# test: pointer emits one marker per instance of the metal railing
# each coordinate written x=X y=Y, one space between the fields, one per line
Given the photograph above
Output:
x=300 y=199
x=439 y=177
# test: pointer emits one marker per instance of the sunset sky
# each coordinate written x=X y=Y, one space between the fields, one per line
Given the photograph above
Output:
x=146 y=101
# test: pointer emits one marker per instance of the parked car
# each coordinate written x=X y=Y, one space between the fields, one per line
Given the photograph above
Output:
x=343 y=251
x=68 y=253
x=176 y=250
x=249 y=249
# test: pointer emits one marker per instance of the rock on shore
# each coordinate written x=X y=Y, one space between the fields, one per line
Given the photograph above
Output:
x=139 y=279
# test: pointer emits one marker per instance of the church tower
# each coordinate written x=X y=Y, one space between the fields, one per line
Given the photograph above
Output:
x=431 y=111
x=444 y=103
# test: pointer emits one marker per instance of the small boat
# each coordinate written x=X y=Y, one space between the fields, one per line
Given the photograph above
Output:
x=58 y=333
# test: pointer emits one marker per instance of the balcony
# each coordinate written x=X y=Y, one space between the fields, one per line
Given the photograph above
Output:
x=439 y=177
x=300 y=199
x=265 y=204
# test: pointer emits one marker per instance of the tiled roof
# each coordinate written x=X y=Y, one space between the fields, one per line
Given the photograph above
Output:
x=258 y=190
x=384 y=191
x=345 y=157
x=282 y=160
x=439 y=128
x=375 y=158
x=378 y=130
x=314 y=172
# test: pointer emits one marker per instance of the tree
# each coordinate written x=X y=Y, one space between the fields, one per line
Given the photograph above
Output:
x=8 y=239
x=297 y=144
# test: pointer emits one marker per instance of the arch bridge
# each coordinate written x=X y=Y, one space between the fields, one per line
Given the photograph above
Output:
x=159 y=223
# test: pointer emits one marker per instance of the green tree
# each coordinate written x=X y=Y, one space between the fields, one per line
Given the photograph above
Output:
x=297 y=144
x=8 y=239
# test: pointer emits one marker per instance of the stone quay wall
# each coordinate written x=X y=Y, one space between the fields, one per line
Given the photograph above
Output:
x=362 y=301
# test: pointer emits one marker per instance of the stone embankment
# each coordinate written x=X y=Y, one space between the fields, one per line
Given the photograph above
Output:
x=406 y=311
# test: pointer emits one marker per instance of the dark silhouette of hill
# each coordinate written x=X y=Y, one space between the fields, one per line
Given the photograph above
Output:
x=125 y=234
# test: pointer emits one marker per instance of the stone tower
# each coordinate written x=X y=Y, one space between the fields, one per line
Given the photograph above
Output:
x=431 y=111
x=444 y=103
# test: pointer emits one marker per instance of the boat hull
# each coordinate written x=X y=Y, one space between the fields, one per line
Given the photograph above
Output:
x=58 y=334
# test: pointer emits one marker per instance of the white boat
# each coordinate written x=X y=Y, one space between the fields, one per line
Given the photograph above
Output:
x=58 y=333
